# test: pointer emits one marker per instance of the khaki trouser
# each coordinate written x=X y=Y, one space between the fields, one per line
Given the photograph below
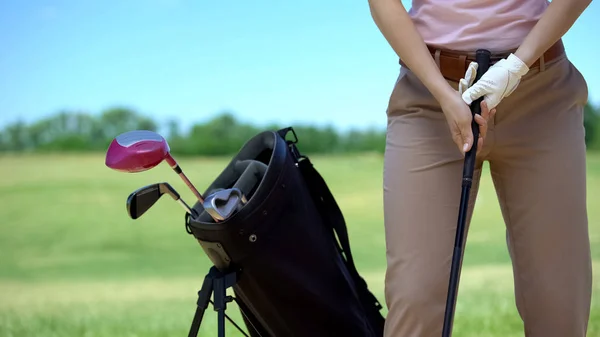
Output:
x=536 y=152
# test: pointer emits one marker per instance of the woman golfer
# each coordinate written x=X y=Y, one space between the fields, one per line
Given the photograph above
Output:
x=532 y=135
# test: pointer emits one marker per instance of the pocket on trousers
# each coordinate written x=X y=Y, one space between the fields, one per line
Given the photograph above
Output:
x=402 y=89
x=582 y=86
x=411 y=96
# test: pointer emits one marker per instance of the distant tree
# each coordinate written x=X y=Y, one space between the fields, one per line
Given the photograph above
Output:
x=313 y=139
x=368 y=140
x=16 y=136
x=120 y=119
x=220 y=135
x=66 y=131
x=591 y=123
x=173 y=127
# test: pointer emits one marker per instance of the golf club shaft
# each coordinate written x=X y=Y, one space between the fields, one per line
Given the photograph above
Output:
x=179 y=171
x=185 y=206
x=483 y=59
x=189 y=184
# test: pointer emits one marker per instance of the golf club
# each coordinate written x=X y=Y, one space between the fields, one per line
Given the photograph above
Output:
x=141 y=150
x=142 y=199
x=222 y=204
x=482 y=57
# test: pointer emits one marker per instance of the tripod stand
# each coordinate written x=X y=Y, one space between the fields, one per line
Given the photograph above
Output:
x=216 y=283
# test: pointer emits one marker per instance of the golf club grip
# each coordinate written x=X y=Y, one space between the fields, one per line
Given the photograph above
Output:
x=482 y=57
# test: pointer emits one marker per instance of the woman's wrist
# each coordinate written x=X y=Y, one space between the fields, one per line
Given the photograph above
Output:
x=527 y=55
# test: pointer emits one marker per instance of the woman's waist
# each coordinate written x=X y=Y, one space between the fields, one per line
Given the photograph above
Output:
x=469 y=38
x=498 y=41
x=453 y=63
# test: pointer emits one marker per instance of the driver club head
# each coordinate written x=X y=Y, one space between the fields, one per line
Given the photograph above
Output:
x=142 y=199
x=136 y=151
x=140 y=150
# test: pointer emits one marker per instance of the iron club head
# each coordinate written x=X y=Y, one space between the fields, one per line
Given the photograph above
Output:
x=222 y=204
x=142 y=199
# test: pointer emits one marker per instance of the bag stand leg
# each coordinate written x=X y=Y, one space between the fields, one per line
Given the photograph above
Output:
x=215 y=283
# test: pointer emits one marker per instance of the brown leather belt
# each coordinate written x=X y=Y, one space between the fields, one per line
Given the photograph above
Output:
x=453 y=65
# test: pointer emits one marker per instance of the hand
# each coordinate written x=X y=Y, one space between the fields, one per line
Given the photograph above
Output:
x=459 y=116
x=498 y=82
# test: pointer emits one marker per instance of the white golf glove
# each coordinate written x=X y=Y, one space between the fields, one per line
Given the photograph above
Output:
x=498 y=82
x=469 y=78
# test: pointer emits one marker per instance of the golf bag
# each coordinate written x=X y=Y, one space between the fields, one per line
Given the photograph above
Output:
x=286 y=251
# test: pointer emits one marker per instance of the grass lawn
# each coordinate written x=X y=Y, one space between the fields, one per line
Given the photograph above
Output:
x=74 y=264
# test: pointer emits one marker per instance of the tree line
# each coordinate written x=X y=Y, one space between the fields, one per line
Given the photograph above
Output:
x=71 y=131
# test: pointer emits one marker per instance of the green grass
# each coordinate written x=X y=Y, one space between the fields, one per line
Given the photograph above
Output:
x=73 y=264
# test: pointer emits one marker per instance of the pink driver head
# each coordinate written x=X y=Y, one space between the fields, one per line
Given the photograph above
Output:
x=136 y=151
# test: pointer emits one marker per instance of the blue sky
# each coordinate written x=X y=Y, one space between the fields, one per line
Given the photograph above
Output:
x=310 y=61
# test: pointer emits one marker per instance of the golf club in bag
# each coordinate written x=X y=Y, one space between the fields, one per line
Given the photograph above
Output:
x=482 y=57
x=285 y=252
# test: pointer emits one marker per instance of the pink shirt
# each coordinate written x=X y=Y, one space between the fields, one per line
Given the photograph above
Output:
x=467 y=25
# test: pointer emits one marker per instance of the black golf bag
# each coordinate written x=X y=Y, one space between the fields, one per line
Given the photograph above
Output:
x=286 y=253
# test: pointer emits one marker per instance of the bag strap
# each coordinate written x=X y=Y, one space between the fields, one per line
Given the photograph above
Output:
x=330 y=209
x=329 y=206
x=320 y=190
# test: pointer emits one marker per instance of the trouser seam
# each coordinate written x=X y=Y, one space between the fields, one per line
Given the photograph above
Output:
x=502 y=195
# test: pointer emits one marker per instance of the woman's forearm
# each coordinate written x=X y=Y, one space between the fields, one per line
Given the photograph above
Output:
x=554 y=23
x=395 y=24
